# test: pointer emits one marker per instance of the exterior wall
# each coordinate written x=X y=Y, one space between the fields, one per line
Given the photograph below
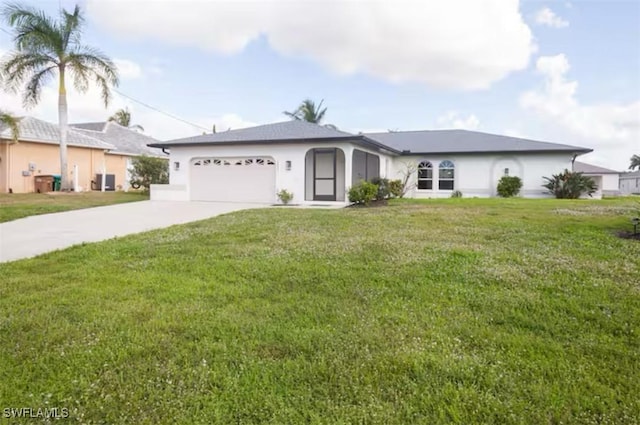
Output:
x=610 y=184
x=292 y=180
x=16 y=157
x=478 y=175
x=630 y=183
x=119 y=165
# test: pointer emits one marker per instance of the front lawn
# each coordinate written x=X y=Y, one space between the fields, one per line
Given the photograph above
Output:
x=453 y=311
x=19 y=205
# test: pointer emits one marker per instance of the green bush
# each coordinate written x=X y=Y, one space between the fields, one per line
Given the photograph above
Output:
x=396 y=188
x=363 y=192
x=456 y=194
x=285 y=196
x=570 y=185
x=383 y=188
x=509 y=186
x=148 y=170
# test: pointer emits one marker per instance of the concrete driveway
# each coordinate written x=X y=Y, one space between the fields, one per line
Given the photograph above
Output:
x=35 y=235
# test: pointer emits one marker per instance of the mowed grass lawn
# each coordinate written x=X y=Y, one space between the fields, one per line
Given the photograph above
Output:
x=453 y=311
x=20 y=205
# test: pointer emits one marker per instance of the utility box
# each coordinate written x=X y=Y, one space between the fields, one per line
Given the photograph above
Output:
x=43 y=184
x=110 y=182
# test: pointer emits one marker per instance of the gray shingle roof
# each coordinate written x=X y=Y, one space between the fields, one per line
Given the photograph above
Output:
x=592 y=169
x=294 y=130
x=125 y=140
x=95 y=126
x=463 y=141
x=35 y=130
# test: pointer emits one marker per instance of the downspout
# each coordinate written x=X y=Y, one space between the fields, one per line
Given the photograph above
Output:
x=573 y=160
x=164 y=151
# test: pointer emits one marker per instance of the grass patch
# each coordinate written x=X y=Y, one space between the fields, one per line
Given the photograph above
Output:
x=448 y=311
x=20 y=205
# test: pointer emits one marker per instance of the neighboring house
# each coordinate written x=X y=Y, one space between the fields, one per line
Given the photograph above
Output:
x=606 y=179
x=38 y=153
x=630 y=183
x=90 y=151
x=127 y=144
x=319 y=164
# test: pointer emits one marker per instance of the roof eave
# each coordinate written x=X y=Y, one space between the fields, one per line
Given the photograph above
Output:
x=578 y=151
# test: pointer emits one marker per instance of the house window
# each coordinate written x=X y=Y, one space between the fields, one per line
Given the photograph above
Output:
x=425 y=176
x=446 y=175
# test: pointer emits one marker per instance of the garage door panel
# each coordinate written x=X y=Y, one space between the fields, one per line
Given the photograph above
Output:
x=233 y=179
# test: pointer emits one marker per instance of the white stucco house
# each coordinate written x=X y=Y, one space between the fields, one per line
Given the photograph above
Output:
x=318 y=164
x=607 y=180
x=630 y=183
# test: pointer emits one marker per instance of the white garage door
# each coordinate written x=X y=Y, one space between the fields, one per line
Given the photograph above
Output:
x=233 y=179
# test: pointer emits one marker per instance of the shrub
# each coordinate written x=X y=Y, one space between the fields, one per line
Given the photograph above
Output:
x=285 y=196
x=456 y=194
x=148 y=170
x=509 y=186
x=396 y=188
x=383 y=188
x=570 y=185
x=363 y=192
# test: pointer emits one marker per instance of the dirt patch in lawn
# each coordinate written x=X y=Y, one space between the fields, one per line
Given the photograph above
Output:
x=629 y=235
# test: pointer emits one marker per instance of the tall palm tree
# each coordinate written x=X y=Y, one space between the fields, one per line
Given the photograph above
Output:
x=123 y=117
x=635 y=162
x=12 y=123
x=46 y=48
x=308 y=111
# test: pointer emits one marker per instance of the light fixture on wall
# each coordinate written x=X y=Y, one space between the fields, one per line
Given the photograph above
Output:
x=287 y=165
x=176 y=166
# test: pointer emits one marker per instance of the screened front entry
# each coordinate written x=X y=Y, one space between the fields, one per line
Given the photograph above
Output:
x=324 y=175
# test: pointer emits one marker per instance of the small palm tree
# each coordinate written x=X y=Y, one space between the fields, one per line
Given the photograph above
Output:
x=46 y=48
x=123 y=117
x=308 y=111
x=635 y=162
x=12 y=123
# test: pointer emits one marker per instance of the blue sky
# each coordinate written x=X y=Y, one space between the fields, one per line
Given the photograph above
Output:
x=559 y=71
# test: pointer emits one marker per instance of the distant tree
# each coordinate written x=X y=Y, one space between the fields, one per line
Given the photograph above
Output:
x=12 y=123
x=635 y=162
x=46 y=48
x=148 y=170
x=123 y=117
x=308 y=111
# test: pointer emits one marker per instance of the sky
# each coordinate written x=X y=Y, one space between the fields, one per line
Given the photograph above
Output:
x=557 y=71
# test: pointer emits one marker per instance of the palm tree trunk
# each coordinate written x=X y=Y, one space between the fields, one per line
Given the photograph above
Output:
x=63 y=118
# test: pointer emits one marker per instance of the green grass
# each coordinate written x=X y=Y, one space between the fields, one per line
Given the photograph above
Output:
x=453 y=311
x=20 y=205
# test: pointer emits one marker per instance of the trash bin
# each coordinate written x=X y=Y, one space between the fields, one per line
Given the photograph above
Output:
x=43 y=184
x=57 y=180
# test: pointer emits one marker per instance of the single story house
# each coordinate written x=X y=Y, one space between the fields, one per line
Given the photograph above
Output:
x=319 y=164
x=37 y=153
x=607 y=180
x=127 y=144
x=630 y=183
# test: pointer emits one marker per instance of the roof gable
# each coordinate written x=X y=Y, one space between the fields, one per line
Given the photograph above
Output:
x=125 y=140
x=592 y=169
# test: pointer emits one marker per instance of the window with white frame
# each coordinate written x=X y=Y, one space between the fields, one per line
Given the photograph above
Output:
x=446 y=175
x=425 y=176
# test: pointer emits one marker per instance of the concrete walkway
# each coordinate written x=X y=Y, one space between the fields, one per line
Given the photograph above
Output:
x=35 y=235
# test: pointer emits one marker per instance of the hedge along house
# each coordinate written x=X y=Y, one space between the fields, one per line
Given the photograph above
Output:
x=127 y=144
x=37 y=152
x=318 y=164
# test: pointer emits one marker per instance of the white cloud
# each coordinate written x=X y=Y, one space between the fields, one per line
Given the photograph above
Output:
x=613 y=130
x=462 y=44
x=453 y=119
x=546 y=16
x=128 y=70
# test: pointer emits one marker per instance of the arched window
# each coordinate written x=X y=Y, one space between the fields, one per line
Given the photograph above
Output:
x=446 y=175
x=425 y=176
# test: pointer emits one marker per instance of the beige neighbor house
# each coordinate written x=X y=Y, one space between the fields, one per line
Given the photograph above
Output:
x=37 y=153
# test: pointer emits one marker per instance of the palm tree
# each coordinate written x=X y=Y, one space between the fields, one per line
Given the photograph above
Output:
x=46 y=48
x=308 y=111
x=635 y=162
x=123 y=117
x=11 y=122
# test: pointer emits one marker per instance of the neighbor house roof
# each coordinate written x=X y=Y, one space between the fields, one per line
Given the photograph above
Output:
x=95 y=126
x=35 y=130
x=125 y=140
x=405 y=142
x=464 y=141
x=592 y=169
x=630 y=174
